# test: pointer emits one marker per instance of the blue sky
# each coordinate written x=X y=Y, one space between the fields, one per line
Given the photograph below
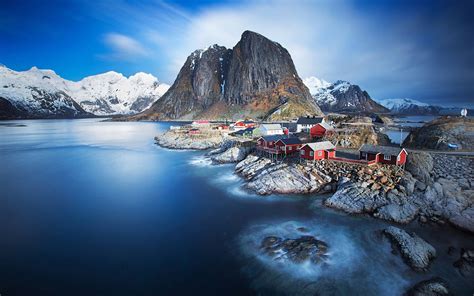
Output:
x=417 y=49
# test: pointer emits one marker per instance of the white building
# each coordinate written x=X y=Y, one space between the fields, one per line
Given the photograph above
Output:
x=271 y=129
x=304 y=124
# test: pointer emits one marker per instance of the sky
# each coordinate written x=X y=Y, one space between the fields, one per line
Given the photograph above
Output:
x=420 y=49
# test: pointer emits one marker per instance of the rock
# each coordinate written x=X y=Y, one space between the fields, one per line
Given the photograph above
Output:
x=416 y=252
x=420 y=185
x=420 y=164
x=283 y=179
x=299 y=250
x=465 y=264
x=352 y=198
x=233 y=154
x=464 y=220
x=432 y=287
x=403 y=213
x=181 y=140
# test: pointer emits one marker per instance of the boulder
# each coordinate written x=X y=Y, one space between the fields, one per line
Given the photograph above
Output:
x=416 y=252
x=400 y=213
x=420 y=164
x=465 y=264
x=432 y=287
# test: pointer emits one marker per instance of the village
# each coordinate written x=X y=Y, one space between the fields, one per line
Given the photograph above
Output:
x=347 y=158
x=306 y=139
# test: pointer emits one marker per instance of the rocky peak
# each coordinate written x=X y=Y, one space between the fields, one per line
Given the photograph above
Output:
x=257 y=78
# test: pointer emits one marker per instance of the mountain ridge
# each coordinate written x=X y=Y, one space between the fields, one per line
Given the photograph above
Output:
x=41 y=93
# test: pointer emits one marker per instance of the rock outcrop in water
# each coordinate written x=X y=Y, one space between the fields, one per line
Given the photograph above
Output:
x=257 y=79
x=432 y=287
x=181 y=139
x=465 y=264
x=297 y=250
x=417 y=252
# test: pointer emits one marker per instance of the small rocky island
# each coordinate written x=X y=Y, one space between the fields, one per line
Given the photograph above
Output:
x=296 y=250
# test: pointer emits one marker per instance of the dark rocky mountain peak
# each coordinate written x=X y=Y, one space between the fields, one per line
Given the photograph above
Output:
x=257 y=78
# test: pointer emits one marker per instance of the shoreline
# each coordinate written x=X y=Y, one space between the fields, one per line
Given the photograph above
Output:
x=380 y=191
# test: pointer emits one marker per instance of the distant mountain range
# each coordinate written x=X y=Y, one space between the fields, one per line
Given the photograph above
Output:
x=39 y=93
x=342 y=96
x=413 y=107
x=256 y=78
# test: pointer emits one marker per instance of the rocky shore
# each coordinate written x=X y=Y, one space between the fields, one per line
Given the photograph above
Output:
x=181 y=139
x=433 y=189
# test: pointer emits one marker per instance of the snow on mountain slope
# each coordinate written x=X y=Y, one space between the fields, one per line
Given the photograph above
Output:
x=113 y=93
x=410 y=107
x=35 y=94
x=314 y=84
x=44 y=93
x=341 y=96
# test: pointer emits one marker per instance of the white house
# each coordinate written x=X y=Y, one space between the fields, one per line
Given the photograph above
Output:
x=304 y=124
x=271 y=129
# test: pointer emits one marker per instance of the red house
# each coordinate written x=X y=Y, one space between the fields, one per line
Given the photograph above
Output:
x=268 y=141
x=288 y=145
x=383 y=154
x=318 y=150
x=320 y=130
x=242 y=124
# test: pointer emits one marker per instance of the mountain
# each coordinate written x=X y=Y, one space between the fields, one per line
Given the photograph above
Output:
x=44 y=94
x=414 y=107
x=256 y=78
x=410 y=107
x=342 y=96
x=314 y=84
x=36 y=94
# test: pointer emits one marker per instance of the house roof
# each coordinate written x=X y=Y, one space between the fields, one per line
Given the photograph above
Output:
x=309 y=120
x=291 y=141
x=244 y=131
x=324 y=145
x=385 y=150
x=273 y=138
x=271 y=126
x=326 y=126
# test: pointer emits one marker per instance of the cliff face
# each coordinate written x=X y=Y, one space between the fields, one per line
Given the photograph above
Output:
x=257 y=78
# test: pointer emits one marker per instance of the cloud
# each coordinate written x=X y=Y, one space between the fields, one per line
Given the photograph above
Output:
x=123 y=47
x=396 y=49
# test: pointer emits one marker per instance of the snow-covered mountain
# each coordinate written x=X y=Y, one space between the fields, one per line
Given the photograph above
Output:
x=39 y=93
x=410 y=107
x=342 y=96
x=314 y=84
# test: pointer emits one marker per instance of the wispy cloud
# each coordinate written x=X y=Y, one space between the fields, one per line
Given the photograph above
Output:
x=389 y=52
x=123 y=47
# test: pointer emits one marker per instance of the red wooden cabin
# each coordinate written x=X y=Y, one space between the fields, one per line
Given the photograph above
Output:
x=268 y=141
x=288 y=145
x=320 y=130
x=383 y=154
x=318 y=150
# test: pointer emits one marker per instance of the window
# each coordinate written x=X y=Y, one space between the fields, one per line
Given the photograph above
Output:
x=387 y=157
x=290 y=148
x=320 y=153
x=398 y=157
x=302 y=152
x=311 y=153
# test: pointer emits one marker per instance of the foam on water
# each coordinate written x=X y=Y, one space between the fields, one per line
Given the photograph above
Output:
x=348 y=264
x=200 y=161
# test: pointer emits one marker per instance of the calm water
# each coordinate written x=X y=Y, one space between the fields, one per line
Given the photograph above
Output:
x=95 y=208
